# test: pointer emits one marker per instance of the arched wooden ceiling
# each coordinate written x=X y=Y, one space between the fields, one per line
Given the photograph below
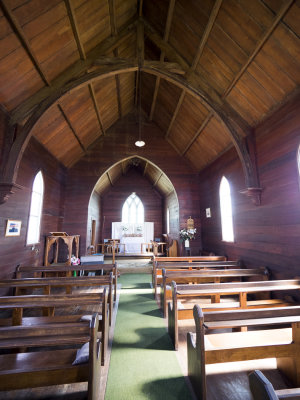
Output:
x=212 y=71
x=156 y=176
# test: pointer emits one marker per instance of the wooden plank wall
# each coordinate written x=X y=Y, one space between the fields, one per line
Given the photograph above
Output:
x=267 y=234
x=114 y=199
x=13 y=250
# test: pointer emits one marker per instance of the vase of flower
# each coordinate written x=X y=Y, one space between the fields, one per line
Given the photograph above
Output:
x=187 y=243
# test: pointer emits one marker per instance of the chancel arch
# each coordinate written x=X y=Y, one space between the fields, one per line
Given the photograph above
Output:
x=134 y=181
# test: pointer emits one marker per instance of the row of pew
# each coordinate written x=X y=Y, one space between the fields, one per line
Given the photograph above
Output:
x=237 y=313
x=62 y=337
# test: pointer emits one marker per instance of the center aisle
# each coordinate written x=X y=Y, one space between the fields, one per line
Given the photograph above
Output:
x=143 y=364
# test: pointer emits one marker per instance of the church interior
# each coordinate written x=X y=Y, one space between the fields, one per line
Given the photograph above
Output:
x=150 y=148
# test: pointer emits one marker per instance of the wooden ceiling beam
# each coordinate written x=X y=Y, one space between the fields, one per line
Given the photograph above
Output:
x=80 y=47
x=75 y=29
x=208 y=28
x=158 y=179
x=282 y=12
x=113 y=28
x=146 y=166
x=198 y=133
x=17 y=29
x=162 y=54
x=71 y=127
x=28 y=106
x=109 y=178
x=96 y=107
x=195 y=81
x=181 y=98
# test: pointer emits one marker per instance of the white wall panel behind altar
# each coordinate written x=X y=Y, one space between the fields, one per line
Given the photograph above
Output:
x=146 y=229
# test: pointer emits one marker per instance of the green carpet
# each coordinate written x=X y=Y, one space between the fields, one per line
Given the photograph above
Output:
x=143 y=364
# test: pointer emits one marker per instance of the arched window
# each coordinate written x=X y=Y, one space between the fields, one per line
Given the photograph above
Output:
x=34 y=223
x=168 y=220
x=226 y=211
x=133 y=210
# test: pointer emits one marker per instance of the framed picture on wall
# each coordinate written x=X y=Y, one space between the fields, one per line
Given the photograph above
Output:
x=13 y=227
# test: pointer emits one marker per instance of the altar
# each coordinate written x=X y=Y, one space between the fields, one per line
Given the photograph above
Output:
x=132 y=243
x=133 y=235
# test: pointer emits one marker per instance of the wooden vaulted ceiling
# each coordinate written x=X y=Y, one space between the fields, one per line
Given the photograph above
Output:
x=242 y=55
x=157 y=177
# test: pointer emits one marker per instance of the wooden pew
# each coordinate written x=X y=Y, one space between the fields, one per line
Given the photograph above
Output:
x=68 y=270
x=23 y=284
x=215 y=291
x=184 y=263
x=53 y=366
x=275 y=342
x=48 y=303
x=262 y=389
x=205 y=276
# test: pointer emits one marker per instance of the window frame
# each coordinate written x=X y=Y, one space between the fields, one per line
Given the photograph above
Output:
x=40 y=214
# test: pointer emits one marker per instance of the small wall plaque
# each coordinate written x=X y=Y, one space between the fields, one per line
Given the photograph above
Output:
x=208 y=214
x=13 y=227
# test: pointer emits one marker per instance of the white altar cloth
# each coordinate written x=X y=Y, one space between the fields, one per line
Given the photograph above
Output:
x=132 y=244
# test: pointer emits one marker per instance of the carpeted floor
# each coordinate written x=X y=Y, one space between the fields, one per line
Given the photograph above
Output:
x=143 y=364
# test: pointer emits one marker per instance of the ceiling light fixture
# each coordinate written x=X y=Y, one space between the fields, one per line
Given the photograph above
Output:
x=140 y=142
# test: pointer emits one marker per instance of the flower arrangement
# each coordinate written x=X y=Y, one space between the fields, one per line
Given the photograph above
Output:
x=124 y=228
x=75 y=260
x=139 y=228
x=187 y=234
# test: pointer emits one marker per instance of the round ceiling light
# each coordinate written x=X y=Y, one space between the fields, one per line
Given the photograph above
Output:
x=140 y=143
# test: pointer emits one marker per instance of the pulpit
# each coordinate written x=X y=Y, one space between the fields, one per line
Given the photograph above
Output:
x=54 y=239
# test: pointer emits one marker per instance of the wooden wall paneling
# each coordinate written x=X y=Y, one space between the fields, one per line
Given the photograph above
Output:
x=13 y=250
x=265 y=235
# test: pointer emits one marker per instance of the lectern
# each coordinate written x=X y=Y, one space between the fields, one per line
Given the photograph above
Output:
x=54 y=238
